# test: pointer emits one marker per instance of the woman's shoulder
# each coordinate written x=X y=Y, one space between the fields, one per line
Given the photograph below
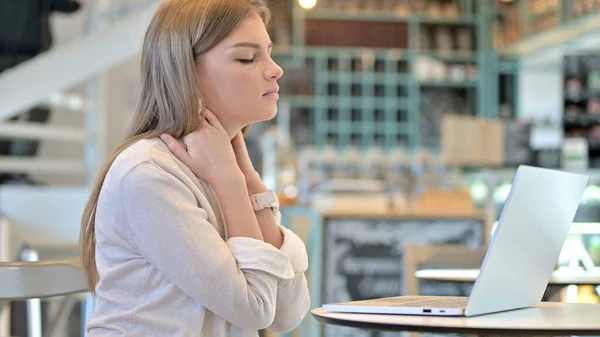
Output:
x=146 y=153
x=149 y=167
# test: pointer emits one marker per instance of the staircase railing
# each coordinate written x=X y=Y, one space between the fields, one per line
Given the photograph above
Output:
x=60 y=68
x=113 y=35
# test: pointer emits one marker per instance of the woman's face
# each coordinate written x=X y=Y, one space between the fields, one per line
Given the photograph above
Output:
x=238 y=78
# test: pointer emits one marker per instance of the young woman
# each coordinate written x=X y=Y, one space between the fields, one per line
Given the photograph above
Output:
x=185 y=240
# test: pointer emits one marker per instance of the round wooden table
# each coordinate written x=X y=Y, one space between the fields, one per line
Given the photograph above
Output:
x=545 y=319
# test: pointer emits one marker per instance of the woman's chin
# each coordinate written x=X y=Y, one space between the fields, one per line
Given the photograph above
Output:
x=270 y=113
x=265 y=113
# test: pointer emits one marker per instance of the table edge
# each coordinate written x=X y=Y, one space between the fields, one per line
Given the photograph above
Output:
x=440 y=329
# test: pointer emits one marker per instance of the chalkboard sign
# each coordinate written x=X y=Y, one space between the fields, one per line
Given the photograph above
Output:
x=363 y=259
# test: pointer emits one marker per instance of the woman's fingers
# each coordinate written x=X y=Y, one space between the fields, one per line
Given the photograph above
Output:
x=178 y=150
x=212 y=119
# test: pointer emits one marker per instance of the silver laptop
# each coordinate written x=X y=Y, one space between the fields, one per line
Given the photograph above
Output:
x=523 y=252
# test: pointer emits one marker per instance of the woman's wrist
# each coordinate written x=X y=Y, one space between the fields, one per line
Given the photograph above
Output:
x=226 y=180
x=255 y=184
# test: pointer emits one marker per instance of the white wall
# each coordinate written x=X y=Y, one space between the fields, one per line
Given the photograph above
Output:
x=540 y=92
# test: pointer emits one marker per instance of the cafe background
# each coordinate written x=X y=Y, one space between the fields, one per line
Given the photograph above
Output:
x=400 y=123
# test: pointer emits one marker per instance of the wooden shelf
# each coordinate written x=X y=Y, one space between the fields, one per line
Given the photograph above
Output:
x=380 y=16
x=448 y=84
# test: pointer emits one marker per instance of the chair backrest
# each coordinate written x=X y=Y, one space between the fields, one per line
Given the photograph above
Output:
x=446 y=255
x=47 y=220
x=26 y=280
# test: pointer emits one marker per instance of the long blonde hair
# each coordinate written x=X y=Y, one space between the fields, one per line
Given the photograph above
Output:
x=170 y=101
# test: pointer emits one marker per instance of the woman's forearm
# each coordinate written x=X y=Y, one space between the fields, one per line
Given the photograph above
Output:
x=237 y=208
x=266 y=219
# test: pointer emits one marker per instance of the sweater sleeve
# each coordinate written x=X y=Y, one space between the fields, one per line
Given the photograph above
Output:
x=293 y=298
x=237 y=280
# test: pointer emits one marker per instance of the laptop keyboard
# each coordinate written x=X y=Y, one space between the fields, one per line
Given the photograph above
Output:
x=433 y=302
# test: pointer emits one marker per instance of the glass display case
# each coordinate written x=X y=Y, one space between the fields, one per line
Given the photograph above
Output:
x=489 y=190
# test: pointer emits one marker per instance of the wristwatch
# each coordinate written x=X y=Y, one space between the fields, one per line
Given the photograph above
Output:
x=266 y=199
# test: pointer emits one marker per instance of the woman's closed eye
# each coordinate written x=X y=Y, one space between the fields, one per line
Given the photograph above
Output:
x=246 y=60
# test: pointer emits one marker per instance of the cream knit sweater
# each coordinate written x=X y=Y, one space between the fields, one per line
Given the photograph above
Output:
x=167 y=266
